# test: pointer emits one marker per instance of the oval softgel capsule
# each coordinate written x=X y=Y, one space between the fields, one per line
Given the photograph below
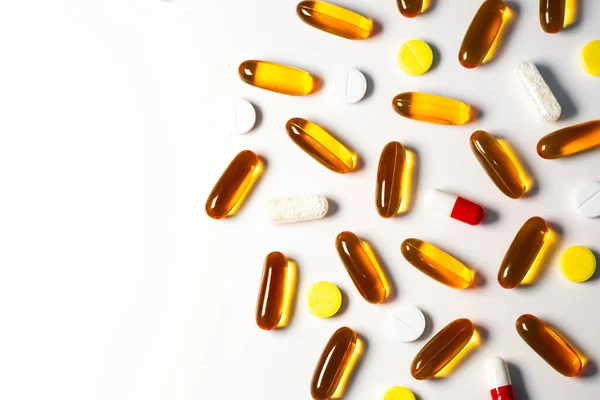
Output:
x=570 y=140
x=390 y=179
x=431 y=108
x=335 y=19
x=272 y=292
x=277 y=78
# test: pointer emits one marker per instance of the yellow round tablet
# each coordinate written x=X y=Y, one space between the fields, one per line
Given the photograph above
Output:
x=415 y=57
x=324 y=299
x=590 y=58
x=398 y=393
x=578 y=263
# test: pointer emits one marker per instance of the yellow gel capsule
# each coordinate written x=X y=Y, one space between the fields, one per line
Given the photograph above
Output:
x=324 y=299
x=552 y=15
x=335 y=19
x=590 y=58
x=362 y=267
x=578 y=263
x=431 y=108
x=415 y=57
x=390 y=179
x=498 y=165
x=410 y=8
x=233 y=186
x=437 y=264
x=522 y=252
x=320 y=145
x=570 y=140
x=482 y=33
x=277 y=78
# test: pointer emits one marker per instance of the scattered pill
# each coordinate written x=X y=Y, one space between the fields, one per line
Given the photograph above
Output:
x=537 y=89
x=334 y=363
x=570 y=140
x=271 y=296
x=437 y=264
x=415 y=57
x=406 y=323
x=324 y=299
x=455 y=206
x=442 y=349
x=552 y=15
x=235 y=116
x=496 y=162
x=549 y=345
x=350 y=86
x=522 y=252
x=410 y=8
x=363 y=267
x=578 y=263
x=320 y=145
x=335 y=19
x=482 y=33
x=390 y=179
x=277 y=78
x=285 y=210
x=233 y=186
x=590 y=58
x=498 y=378
x=587 y=200
x=398 y=392
x=431 y=108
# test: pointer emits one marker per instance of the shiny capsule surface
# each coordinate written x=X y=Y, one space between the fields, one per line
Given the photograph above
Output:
x=410 y=8
x=320 y=145
x=552 y=15
x=498 y=165
x=233 y=185
x=437 y=264
x=335 y=19
x=431 y=108
x=362 y=267
x=482 y=33
x=271 y=295
x=549 y=345
x=522 y=252
x=390 y=179
x=277 y=78
x=442 y=348
x=570 y=140
x=332 y=365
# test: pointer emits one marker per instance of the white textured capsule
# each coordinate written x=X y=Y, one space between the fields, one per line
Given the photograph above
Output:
x=539 y=91
x=235 y=116
x=350 y=85
x=297 y=208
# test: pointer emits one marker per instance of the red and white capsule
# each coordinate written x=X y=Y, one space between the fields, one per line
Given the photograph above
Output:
x=499 y=379
x=455 y=206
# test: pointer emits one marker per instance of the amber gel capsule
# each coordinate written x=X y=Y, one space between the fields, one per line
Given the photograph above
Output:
x=333 y=363
x=431 y=108
x=498 y=165
x=231 y=188
x=362 y=267
x=410 y=8
x=549 y=345
x=320 y=145
x=482 y=33
x=277 y=78
x=437 y=264
x=390 y=179
x=335 y=19
x=522 y=252
x=552 y=15
x=271 y=295
x=570 y=140
x=442 y=348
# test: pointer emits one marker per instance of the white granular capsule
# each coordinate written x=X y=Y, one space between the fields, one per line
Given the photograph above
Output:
x=350 y=86
x=539 y=91
x=587 y=200
x=406 y=323
x=297 y=208
x=235 y=116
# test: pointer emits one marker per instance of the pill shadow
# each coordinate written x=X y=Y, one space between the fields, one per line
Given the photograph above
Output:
x=259 y=117
x=377 y=28
x=332 y=208
x=573 y=13
x=523 y=165
x=476 y=113
x=412 y=178
x=491 y=216
x=568 y=109
x=437 y=56
x=370 y=86
x=518 y=382
x=358 y=366
x=504 y=36
x=384 y=270
x=590 y=368
x=291 y=299
x=479 y=281
x=596 y=275
x=428 y=331
x=429 y=6
x=541 y=266
x=345 y=302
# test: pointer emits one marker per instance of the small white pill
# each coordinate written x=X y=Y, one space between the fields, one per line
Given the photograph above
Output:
x=235 y=116
x=297 y=208
x=350 y=86
x=406 y=323
x=587 y=200
x=539 y=91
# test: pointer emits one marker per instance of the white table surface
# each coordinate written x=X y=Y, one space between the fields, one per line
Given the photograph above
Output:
x=115 y=283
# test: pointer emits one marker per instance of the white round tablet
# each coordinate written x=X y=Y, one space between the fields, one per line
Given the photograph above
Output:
x=406 y=323
x=235 y=116
x=350 y=86
x=587 y=200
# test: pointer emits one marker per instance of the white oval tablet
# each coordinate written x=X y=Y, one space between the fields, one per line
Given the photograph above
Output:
x=406 y=323
x=350 y=86
x=235 y=116
x=587 y=200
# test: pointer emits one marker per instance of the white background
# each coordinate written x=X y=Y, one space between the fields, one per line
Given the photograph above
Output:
x=116 y=285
